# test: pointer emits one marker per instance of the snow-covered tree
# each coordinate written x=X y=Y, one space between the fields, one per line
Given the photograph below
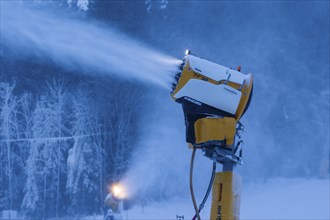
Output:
x=81 y=4
x=121 y=129
x=85 y=174
x=8 y=149
x=57 y=96
x=26 y=107
x=46 y=161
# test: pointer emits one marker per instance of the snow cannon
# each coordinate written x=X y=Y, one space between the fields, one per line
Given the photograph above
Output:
x=213 y=99
x=214 y=92
x=114 y=198
x=118 y=191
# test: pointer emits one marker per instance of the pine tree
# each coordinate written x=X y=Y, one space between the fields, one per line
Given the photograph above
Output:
x=8 y=131
x=46 y=162
x=57 y=95
x=85 y=157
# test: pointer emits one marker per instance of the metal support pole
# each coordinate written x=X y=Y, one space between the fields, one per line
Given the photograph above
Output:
x=226 y=196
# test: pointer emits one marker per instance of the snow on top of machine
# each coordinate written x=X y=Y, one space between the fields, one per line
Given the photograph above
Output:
x=215 y=71
x=219 y=96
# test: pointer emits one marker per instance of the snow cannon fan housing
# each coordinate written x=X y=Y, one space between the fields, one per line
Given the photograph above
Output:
x=208 y=90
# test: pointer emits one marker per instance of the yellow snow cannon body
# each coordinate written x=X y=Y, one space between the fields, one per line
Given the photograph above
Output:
x=209 y=90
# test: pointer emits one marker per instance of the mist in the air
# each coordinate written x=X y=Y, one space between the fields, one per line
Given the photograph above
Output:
x=89 y=47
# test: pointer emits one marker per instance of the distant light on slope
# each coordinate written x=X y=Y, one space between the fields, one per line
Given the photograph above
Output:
x=118 y=190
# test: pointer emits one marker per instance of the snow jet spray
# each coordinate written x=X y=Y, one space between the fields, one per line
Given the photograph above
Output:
x=92 y=47
x=88 y=47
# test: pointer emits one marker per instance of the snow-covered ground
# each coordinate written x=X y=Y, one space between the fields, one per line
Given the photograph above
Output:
x=287 y=199
x=275 y=199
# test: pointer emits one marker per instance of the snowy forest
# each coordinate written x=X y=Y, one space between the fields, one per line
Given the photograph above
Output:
x=68 y=130
x=63 y=146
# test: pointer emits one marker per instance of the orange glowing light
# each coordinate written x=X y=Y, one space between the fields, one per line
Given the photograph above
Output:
x=118 y=191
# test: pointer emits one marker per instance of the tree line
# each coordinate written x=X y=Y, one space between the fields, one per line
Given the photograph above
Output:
x=61 y=147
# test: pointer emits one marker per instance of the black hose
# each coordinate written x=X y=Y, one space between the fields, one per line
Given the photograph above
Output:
x=191 y=183
x=201 y=206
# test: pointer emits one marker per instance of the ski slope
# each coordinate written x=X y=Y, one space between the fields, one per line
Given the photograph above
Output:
x=274 y=199
x=286 y=199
